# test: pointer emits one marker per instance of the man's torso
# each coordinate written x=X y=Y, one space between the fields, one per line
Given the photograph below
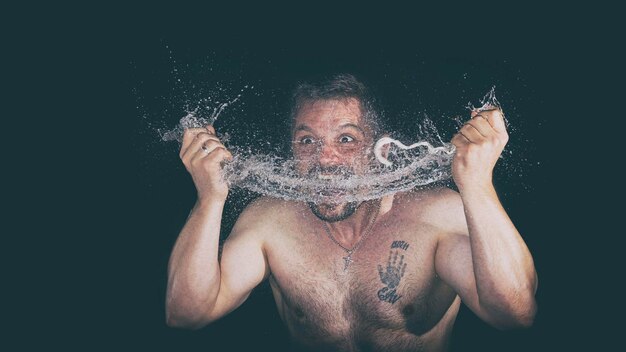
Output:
x=389 y=298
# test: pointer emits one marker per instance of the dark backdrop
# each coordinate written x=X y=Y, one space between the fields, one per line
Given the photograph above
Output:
x=103 y=199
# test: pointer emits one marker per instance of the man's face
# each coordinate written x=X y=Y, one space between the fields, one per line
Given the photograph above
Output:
x=331 y=141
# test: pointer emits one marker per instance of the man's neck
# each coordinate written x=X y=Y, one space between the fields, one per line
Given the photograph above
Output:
x=350 y=230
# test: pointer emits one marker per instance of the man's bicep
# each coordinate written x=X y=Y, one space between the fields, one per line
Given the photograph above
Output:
x=453 y=264
x=243 y=266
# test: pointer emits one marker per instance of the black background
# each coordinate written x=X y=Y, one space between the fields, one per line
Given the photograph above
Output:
x=99 y=223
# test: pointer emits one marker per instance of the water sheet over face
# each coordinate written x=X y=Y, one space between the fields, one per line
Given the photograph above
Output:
x=401 y=168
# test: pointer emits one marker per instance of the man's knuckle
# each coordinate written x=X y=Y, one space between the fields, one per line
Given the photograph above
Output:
x=222 y=154
x=202 y=135
x=216 y=143
x=217 y=152
x=483 y=122
x=190 y=132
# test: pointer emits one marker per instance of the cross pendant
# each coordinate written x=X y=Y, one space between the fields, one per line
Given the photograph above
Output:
x=347 y=260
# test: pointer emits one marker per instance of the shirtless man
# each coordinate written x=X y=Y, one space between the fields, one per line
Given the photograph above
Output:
x=381 y=275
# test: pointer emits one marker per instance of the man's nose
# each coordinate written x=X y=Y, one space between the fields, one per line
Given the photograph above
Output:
x=328 y=155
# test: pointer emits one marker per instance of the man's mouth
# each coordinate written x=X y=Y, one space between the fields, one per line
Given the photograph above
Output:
x=330 y=187
x=331 y=192
x=331 y=184
x=330 y=177
x=332 y=173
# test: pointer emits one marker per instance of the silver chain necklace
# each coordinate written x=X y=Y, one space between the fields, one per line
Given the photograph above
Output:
x=348 y=258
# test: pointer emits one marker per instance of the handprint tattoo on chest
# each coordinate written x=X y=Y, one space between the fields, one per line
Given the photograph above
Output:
x=391 y=275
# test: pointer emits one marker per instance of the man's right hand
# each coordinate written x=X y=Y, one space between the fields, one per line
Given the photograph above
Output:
x=202 y=154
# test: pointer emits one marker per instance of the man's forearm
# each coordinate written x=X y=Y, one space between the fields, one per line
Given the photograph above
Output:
x=194 y=272
x=503 y=267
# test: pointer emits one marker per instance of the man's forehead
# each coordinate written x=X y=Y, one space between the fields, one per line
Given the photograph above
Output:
x=348 y=109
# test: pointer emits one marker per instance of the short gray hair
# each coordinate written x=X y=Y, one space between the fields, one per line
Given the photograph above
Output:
x=341 y=86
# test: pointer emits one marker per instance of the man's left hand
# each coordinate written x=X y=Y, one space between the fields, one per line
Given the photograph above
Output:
x=479 y=144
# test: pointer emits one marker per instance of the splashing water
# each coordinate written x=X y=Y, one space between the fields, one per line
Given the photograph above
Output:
x=489 y=102
x=402 y=169
x=194 y=119
x=276 y=177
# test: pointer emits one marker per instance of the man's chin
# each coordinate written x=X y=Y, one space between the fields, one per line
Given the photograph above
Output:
x=333 y=212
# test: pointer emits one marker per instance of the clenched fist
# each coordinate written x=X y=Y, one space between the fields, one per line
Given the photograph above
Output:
x=203 y=155
x=479 y=144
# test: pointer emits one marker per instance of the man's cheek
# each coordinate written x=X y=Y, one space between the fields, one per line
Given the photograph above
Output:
x=304 y=155
x=303 y=166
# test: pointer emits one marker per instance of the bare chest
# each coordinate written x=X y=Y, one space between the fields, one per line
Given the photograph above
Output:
x=389 y=290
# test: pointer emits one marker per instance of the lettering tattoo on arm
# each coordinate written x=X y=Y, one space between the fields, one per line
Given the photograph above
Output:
x=393 y=273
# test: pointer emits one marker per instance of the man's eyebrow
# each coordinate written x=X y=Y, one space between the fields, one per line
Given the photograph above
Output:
x=308 y=129
x=302 y=128
x=353 y=126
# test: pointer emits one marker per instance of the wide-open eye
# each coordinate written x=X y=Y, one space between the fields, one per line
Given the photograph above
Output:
x=346 y=139
x=306 y=140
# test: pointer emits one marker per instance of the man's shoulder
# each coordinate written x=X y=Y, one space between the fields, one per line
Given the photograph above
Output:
x=437 y=199
x=270 y=209
x=262 y=217
x=441 y=207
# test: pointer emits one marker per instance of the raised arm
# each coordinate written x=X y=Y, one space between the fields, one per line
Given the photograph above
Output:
x=485 y=258
x=200 y=289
